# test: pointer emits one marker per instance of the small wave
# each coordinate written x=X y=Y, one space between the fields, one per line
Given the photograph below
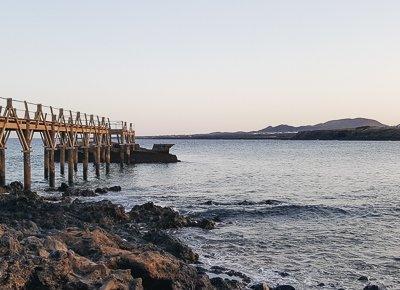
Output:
x=290 y=210
x=244 y=202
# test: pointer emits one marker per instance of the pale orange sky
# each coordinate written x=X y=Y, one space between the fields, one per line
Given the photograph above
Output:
x=202 y=66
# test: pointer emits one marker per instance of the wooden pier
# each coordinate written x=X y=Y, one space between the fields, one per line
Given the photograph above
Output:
x=64 y=130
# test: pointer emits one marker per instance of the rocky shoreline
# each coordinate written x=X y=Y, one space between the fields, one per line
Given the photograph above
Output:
x=62 y=242
x=65 y=243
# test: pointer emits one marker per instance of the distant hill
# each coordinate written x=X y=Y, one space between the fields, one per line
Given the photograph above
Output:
x=285 y=131
x=330 y=125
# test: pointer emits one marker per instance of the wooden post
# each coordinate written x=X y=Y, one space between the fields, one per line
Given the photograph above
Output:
x=85 y=162
x=52 y=168
x=108 y=157
x=97 y=159
x=46 y=163
x=62 y=159
x=103 y=154
x=27 y=170
x=2 y=166
x=128 y=154
x=27 y=161
x=70 y=166
x=121 y=155
x=76 y=159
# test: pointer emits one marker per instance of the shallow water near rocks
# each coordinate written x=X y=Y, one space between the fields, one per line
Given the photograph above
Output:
x=291 y=212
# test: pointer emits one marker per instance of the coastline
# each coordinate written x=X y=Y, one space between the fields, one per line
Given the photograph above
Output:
x=61 y=242
x=365 y=133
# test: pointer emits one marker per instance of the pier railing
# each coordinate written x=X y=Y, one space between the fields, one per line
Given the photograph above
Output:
x=64 y=130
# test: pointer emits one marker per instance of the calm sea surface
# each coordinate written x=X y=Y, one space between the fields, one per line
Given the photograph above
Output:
x=333 y=210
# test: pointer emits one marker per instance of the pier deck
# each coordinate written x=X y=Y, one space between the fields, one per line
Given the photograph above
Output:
x=63 y=130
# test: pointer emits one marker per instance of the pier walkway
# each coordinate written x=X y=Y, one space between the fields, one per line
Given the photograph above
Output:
x=64 y=130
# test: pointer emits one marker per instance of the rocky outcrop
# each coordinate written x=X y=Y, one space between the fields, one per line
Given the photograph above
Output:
x=85 y=192
x=95 y=245
x=165 y=217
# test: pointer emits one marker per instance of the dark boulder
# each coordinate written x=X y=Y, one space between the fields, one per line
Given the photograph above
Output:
x=101 y=190
x=157 y=216
x=63 y=187
x=372 y=287
x=232 y=273
x=15 y=187
x=172 y=245
x=203 y=224
x=115 y=188
x=226 y=284
x=218 y=269
x=284 y=287
x=260 y=286
x=84 y=192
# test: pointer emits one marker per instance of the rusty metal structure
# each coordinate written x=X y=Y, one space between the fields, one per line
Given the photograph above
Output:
x=69 y=132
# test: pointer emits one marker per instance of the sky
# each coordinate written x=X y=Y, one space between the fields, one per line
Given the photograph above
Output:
x=178 y=67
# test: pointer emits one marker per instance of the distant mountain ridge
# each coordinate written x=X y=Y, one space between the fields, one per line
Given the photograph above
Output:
x=288 y=132
x=330 y=125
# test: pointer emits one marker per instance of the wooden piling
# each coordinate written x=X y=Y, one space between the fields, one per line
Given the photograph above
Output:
x=76 y=159
x=70 y=166
x=52 y=169
x=27 y=170
x=2 y=166
x=27 y=155
x=97 y=160
x=108 y=159
x=85 y=162
x=45 y=163
x=121 y=155
x=103 y=154
x=62 y=159
x=128 y=154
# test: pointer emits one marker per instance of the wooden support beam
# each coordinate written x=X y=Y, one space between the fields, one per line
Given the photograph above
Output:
x=45 y=162
x=2 y=166
x=70 y=165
